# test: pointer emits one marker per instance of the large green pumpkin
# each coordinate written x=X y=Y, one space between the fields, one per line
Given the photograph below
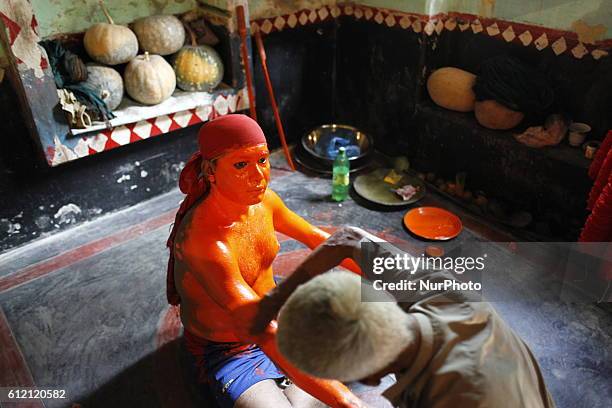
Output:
x=107 y=83
x=198 y=68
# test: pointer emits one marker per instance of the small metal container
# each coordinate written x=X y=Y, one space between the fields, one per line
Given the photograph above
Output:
x=317 y=144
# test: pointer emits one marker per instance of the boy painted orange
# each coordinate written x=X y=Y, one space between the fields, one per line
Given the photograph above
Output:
x=223 y=244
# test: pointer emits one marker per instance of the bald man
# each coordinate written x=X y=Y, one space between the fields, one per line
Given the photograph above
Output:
x=445 y=352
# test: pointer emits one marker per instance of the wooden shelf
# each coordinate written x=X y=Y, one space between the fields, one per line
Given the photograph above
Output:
x=562 y=153
x=32 y=78
x=132 y=112
x=135 y=122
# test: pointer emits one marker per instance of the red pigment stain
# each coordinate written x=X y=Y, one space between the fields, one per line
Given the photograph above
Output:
x=84 y=251
x=324 y=216
x=286 y=262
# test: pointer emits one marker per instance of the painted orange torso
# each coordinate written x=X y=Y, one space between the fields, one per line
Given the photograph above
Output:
x=223 y=253
x=252 y=243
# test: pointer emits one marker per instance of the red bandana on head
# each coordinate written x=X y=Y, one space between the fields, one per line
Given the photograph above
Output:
x=219 y=136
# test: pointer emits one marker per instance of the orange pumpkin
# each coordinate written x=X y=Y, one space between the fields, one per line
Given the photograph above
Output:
x=109 y=43
x=493 y=115
x=451 y=88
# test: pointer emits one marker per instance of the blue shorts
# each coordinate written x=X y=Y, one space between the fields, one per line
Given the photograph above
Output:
x=230 y=369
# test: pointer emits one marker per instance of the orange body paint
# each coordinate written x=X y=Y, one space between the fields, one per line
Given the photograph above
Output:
x=224 y=251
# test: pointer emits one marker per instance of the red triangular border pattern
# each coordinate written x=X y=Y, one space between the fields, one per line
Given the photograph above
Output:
x=541 y=38
x=156 y=131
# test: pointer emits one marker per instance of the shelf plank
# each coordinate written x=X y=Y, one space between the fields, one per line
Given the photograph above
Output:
x=132 y=112
x=142 y=122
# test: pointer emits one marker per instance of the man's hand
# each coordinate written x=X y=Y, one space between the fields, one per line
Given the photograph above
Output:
x=252 y=320
x=354 y=402
x=346 y=241
x=342 y=244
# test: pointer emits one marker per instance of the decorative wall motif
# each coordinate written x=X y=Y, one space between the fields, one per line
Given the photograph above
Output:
x=541 y=38
x=22 y=35
x=272 y=8
x=22 y=38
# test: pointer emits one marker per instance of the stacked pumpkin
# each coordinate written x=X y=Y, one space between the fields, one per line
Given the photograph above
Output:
x=198 y=67
x=148 y=78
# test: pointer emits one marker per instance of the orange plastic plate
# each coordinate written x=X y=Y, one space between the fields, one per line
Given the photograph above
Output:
x=433 y=223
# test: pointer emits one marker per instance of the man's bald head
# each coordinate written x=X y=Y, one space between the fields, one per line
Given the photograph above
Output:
x=326 y=330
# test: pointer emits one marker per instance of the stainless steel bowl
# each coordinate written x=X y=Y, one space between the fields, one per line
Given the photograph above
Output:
x=316 y=142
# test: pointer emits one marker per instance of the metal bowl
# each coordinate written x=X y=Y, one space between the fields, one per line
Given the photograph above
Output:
x=316 y=143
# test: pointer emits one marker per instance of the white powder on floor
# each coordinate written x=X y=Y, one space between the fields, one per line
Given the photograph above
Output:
x=67 y=213
x=124 y=177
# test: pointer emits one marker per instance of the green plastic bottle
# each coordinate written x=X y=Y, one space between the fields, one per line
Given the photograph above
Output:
x=340 y=178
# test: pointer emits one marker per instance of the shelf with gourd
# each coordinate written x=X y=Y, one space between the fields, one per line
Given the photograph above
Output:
x=134 y=82
x=453 y=101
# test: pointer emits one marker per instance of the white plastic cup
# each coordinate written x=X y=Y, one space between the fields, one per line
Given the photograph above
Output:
x=590 y=148
x=577 y=133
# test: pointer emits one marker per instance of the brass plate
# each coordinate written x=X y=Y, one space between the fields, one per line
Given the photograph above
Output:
x=373 y=188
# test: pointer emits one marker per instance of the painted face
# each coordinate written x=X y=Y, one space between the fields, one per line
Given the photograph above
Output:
x=242 y=175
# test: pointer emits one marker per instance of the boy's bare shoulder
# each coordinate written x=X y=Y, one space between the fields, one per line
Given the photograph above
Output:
x=272 y=200
x=198 y=237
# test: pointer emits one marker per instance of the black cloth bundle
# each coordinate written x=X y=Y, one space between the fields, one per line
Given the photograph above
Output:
x=513 y=84
x=85 y=94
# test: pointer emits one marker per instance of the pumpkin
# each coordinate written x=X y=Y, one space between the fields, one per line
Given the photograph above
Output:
x=197 y=67
x=109 y=43
x=149 y=79
x=451 y=88
x=107 y=82
x=162 y=35
x=493 y=115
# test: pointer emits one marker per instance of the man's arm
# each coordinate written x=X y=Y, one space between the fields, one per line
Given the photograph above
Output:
x=342 y=244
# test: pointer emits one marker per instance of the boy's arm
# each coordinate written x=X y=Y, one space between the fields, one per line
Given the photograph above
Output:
x=217 y=270
x=342 y=244
x=294 y=226
x=332 y=393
